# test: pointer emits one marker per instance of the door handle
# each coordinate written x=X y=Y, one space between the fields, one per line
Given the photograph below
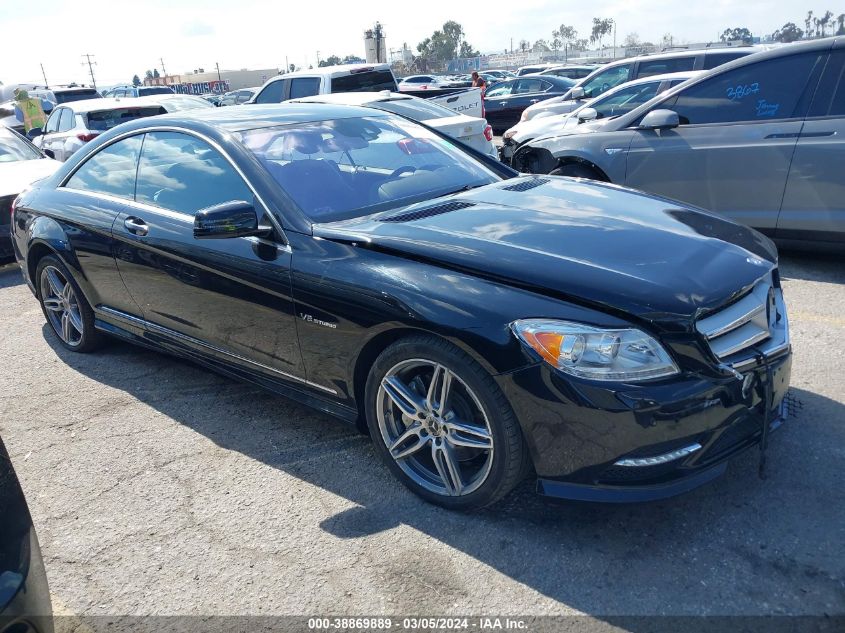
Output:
x=136 y=226
x=534 y=100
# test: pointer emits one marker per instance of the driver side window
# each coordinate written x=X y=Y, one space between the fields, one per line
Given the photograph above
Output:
x=500 y=90
x=53 y=121
x=182 y=173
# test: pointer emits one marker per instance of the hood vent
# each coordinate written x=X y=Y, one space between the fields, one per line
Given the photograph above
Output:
x=525 y=185
x=419 y=214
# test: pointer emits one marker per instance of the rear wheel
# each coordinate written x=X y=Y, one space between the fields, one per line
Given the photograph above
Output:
x=65 y=308
x=576 y=170
x=442 y=425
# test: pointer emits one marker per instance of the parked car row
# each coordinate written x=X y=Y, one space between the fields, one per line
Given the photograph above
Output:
x=758 y=140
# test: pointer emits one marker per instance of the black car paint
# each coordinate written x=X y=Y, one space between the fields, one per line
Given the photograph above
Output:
x=306 y=312
x=24 y=594
x=504 y=112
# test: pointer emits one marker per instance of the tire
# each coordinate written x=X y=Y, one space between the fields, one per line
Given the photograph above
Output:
x=574 y=170
x=64 y=306
x=475 y=435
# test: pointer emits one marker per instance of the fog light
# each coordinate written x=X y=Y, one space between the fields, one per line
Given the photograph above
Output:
x=658 y=459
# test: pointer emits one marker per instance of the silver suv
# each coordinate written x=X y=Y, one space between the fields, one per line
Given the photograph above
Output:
x=760 y=140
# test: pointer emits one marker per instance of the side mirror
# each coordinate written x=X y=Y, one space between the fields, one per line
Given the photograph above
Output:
x=660 y=120
x=587 y=114
x=229 y=219
x=36 y=131
x=577 y=93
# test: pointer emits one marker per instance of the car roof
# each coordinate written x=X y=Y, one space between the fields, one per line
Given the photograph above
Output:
x=251 y=116
x=355 y=98
x=331 y=71
x=83 y=106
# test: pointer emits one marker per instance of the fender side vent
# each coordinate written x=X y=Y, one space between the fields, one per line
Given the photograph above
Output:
x=525 y=185
x=419 y=214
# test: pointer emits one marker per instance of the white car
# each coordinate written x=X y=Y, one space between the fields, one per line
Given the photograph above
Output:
x=421 y=82
x=72 y=125
x=21 y=164
x=616 y=101
x=472 y=131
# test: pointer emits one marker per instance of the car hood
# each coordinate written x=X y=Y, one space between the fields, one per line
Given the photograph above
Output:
x=586 y=242
x=541 y=127
x=16 y=175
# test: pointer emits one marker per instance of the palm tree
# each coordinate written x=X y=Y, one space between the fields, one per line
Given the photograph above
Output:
x=824 y=21
x=808 y=23
x=840 y=20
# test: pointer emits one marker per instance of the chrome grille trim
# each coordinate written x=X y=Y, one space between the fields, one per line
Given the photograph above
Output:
x=757 y=317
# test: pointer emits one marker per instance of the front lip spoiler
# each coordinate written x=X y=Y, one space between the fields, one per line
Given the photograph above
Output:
x=627 y=494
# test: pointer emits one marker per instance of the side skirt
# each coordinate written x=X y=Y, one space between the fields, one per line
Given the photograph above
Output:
x=132 y=332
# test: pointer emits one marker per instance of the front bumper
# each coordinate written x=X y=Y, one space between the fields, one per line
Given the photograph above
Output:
x=578 y=432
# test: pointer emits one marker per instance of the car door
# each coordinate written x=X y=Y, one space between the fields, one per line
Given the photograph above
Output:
x=91 y=199
x=496 y=102
x=732 y=150
x=526 y=92
x=46 y=140
x=227 y=298
x=814 y=201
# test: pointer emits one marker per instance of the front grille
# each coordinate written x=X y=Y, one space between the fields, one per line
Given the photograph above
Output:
x=525 y=185
x=756 y=317
x=428 y=212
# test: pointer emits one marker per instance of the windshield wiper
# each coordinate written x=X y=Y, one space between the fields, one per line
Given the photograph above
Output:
x=461 y=190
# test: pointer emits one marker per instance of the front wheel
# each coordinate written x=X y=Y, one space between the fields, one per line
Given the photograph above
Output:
x=442 y=425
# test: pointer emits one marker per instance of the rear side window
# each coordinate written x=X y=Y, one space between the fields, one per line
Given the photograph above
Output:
x=304 y=87
x=369 y=81
x=662 y=66
x=66 y=123
x=526 y=86
x=158 y=90
x=711 y=60
x=766 y=90
x=111 y=170
x=272 y=93
x=182 y=173
x=830 y=95
x=107 y=119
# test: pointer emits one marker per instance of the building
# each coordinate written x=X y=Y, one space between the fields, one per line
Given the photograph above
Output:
x=200 y=82
x=374 y=44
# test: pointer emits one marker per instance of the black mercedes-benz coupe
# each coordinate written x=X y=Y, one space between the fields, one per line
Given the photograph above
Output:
x=480 y=326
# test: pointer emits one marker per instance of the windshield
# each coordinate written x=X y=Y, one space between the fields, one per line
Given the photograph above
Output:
x=348 y=168
x=156 y=90
x=416 y=109
x=624 y=100
x=605 y=80
x=13 y=148
x=66 y=96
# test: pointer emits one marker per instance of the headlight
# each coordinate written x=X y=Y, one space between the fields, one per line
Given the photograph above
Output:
x=509 y=134
x=596 y=353
x=525 y=116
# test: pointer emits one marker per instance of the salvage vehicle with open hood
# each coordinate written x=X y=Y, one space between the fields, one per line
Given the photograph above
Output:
x=479 y=325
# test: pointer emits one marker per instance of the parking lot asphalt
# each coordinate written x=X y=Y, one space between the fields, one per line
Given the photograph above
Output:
x=158 y=487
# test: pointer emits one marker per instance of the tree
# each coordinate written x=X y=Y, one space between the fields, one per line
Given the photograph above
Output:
x=540 y=46
x=331 y=60
x=155 y=73
x=350 y=59
x=668 y=40
x=631 y=40
x=524 y=45
x=808 y=24
x=564 y=36
x=601 y=27
x=149 y=74
x=840 y=21
x=443 y=45
x=788 y=33
x=736 y=33
x=291 y=68
x=579 y=45
x=824 y=21
x=136 y=81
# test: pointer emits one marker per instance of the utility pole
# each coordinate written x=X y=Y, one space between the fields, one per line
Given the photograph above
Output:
x=220 y=79
x=43 y=74
x=614 y=39
x=318 y=59
x=163 y=71
x=91 y=65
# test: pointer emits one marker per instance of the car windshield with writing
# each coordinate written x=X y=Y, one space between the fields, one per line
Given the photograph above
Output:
x=348 y=168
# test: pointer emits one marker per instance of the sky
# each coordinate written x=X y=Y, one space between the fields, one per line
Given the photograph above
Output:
x=130 y=38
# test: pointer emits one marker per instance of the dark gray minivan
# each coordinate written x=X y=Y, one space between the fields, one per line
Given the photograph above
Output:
x=761 y=140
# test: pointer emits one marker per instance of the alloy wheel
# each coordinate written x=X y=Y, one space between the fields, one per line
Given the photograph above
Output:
x=434 y=427
x=61 y=305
